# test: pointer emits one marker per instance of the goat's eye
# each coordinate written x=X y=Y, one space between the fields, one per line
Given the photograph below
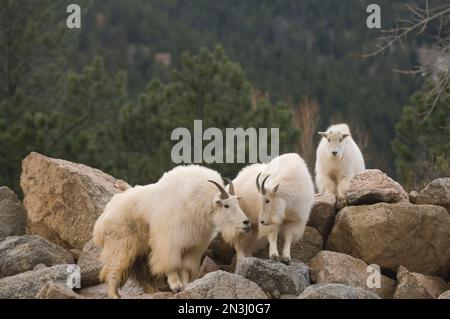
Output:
x=267 y=201
x=226 y=206
x=340 y=140
x=329 y=140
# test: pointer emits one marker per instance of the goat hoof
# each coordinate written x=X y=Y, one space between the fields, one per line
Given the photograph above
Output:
x=275 y=257
x=285 y=260
x=177 y=289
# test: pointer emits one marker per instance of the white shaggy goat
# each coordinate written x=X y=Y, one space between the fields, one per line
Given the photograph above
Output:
x=168 y=225
x=338 y=159
x=280 y=205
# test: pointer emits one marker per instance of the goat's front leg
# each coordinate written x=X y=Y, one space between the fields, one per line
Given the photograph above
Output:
x=273 y=248
x=185 y=276
x=286 y=254
x=173 y=279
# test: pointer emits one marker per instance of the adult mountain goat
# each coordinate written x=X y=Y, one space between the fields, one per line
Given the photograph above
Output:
x=168 y=225
x=338 y=160
x=281 y=205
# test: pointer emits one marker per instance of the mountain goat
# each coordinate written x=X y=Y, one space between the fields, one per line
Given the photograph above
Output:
x=280 y=205
x=168 y=225
x=338 y=160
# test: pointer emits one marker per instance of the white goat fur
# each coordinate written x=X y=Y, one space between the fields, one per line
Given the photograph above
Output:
x=288 y=210
x=334 y=173
x=170 y=223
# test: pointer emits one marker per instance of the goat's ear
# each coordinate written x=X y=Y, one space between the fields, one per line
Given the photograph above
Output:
x=239 y=197
x=275 y=189
x=345 y=136
x=323 y=134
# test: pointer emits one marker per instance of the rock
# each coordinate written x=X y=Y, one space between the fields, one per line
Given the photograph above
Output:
x=413 y=196
x=373 y=186
x=220 y=251
x=322 y=214
x=275 y=278
x=222 y=285
x=336 y=268
x=391 y=235
x=26 y=285
x=22 y=253
x=131 y=290
x=301 y=251
x=436 y=193
x=75 y=254
x=13 y=216
x=208 y=265
x=445 y=295
x=39 y=266
x=64 y=199
x=90 y=264
x=417 y=286
x=57 y=291
x=336 y=291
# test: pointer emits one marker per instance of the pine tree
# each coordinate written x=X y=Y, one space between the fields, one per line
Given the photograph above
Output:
x=422 y=145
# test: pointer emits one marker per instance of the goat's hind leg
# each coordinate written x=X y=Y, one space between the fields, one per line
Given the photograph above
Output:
x=117 y=257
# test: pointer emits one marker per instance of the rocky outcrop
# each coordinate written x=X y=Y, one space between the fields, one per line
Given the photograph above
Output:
x=336 y=268
x=90 y=265
x=436 y=193
x=13 y=216
x=222 y=285
x=64 y=199
x=445 y=295
x=28 y=284
x=322 y=214
x=336 y=291
x=208 y=265
x=373 y=186
x=275 y=278
x=417 y=286
x=54 y=290
x=392 y=235
x=19 y=254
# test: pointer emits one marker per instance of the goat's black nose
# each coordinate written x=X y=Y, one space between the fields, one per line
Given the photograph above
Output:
x=246 y=222
x=262 y=222
x=334 y=153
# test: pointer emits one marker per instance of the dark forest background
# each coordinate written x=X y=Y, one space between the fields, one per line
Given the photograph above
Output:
x=110 y=94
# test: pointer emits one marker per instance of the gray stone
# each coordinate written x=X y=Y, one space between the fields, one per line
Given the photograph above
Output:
x=322 y=214
x=275 y=278
x=13 y=216
x=57 y=291
x=417 y=286
x=436 y=193
x=22 y=253
x=90 y=264
x=336 y=291
x=27 y=285
x=445 y=295
x=392 y=235
x=373 y=186
x=336 y=268
x=64 y=199
x=131 y=290
x=222 y=285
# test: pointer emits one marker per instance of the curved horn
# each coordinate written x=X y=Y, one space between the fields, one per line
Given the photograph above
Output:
x=257 y=183
x=223 y=192
x=263 y=188
x=231 y=189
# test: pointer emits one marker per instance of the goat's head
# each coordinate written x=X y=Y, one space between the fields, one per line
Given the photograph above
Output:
x=228 y=215
x=273 y=206
x=335 y=142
